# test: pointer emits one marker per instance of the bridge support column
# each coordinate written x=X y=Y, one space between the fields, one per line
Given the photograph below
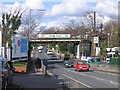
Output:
x=78 y=51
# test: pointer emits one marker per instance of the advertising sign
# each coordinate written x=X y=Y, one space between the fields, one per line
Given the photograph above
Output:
x=54 y=35
x=96 y=40
x=19 y=47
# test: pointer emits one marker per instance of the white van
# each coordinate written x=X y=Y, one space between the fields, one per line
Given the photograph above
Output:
x=110 y=55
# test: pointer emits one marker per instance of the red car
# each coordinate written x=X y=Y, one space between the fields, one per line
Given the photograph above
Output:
x=81 y=66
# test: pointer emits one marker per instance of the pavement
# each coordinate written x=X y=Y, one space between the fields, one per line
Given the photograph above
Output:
x=34 y=79
x=105 y=68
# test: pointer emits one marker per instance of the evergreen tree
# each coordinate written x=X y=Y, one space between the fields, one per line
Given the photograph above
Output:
x=10 y=23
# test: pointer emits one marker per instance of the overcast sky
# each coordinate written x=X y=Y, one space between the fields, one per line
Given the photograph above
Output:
x=58 y=11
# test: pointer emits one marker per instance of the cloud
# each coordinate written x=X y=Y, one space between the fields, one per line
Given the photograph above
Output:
x=108 y=7
x=77 y=8
x=72 y=7
x=68 y=9
x=61 y=22
x=34 y=4
x=28 y=4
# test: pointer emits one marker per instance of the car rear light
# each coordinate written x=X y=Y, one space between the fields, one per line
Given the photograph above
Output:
x=1 y=73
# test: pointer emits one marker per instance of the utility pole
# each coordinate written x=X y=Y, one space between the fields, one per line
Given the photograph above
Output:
x=94 y=32
x=119 y=23
x=94 y=27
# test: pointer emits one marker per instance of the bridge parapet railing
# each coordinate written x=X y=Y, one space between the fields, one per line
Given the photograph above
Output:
x=43 y=68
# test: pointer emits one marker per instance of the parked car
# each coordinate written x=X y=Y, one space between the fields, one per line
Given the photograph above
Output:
x=68 y=63
x=66 y=57
x=40 y=50
x=6 y=72
x=53 y=57
x=81 y=65
x=49 y=52
x=96 y=60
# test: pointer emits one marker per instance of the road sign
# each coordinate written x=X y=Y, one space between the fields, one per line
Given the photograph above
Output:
x=96 y=40
x=54 y=35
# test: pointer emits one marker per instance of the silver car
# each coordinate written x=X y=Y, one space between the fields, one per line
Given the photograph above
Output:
x=6 y=72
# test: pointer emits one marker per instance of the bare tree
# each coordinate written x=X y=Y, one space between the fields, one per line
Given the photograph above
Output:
x=31 y=26
x=93 y=21
x=72 y=26
x=112 y=29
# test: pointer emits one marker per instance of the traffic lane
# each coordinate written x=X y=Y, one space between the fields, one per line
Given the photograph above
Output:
x=43 y=56
x=112 y=77
x=90 y=81
x=85 y=78
x=97 y=75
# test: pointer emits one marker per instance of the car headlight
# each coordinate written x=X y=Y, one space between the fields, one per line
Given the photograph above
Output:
x=80 y=67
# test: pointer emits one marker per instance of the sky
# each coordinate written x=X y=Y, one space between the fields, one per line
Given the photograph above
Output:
x=58 y=12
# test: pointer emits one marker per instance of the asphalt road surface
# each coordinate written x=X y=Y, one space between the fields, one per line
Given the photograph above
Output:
x=91 y=79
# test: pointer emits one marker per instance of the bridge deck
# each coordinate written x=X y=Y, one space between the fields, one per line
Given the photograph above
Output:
x=49 y=40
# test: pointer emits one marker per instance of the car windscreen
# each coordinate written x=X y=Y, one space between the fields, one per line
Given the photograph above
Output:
x=49 y=51
x=109 y=55
x=80 y=63
x=67 y=61
x=70 y=62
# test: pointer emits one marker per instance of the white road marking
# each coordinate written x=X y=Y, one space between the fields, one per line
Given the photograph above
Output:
x=77 y=81
x=91 y=76
x=108 y=73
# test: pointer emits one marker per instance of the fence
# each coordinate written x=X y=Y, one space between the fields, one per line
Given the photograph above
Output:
x=115 y=61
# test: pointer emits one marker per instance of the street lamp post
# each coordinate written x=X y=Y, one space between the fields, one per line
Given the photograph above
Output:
x=29 y=29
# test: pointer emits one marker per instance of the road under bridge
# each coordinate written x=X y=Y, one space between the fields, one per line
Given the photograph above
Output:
x=80 y=46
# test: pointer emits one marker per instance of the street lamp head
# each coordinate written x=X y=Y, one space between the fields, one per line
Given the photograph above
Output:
x=38 y=9
x=41 y=9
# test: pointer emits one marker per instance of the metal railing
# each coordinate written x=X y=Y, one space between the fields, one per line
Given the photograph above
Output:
x=43 y=68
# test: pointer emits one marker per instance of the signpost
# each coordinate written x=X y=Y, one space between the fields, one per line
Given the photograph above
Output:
x=19 y=48
x=54 y=35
